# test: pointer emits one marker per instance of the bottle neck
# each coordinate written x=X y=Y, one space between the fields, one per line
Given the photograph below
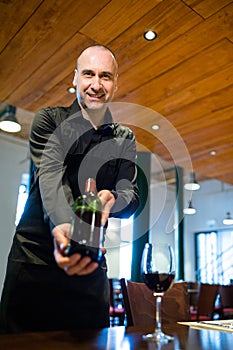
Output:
x=90 y=186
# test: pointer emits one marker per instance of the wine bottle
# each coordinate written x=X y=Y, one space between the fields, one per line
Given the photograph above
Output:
x=86 y=236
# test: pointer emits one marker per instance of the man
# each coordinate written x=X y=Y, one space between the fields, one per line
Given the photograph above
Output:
x=45 y=289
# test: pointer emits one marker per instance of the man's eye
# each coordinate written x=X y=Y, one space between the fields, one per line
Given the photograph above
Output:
x=107 y=77
x=87 y=74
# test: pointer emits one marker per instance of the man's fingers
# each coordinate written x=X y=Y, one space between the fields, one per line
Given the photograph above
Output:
x=74 y=264
x=61 y=234
x=107 y=200
x=84 y=267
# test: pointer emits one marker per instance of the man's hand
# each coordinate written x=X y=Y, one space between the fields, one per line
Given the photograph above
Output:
x=75 y=264
x=107 y=200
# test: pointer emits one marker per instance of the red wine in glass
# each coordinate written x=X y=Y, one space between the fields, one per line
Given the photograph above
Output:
x=158 y=282
x=158 y=272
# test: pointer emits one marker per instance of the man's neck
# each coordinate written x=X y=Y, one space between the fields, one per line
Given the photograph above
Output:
x=95 y=117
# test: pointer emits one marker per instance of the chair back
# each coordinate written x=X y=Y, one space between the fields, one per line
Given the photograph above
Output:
x=226 y=295
x=140 y=306
x=206 y=300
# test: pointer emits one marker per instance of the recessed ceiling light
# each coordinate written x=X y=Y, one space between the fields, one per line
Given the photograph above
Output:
x=213 y=153
x=155 y=127
x=150 y=35
x=71 y=90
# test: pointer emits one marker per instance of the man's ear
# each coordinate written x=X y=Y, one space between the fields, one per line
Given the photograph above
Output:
x=75 y=80
x=116 y=86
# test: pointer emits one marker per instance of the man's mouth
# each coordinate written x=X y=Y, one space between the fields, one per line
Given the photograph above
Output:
x=96 y=96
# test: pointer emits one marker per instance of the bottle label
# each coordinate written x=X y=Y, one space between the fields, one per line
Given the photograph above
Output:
x=86 y=235
x=86 y=227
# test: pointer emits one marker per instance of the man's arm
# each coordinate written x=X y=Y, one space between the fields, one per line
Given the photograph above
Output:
x=126 y=192
x=48 y=156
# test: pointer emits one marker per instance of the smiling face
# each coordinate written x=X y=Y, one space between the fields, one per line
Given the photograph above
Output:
x=95 y=78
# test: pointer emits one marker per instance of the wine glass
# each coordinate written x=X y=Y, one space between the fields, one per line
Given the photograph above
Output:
x=158 y=271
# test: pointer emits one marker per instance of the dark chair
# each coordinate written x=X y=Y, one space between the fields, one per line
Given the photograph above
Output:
x=226 y=301
x=140 y=307
x=206 y=302
x=193 y=290
x=116 y=311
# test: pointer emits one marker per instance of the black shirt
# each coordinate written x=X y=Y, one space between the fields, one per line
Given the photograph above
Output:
x=66 y=150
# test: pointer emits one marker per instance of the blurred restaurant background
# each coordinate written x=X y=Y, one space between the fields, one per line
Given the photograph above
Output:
x=175 y=92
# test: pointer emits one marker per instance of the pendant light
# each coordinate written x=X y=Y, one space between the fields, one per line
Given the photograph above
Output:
x=8 y=121
x=192 y=185
x=228 y=219
x=190 y=210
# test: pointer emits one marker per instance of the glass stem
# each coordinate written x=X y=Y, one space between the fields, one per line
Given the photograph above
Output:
x=158 y=313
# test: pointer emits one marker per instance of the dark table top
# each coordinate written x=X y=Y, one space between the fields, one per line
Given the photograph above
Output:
x=118 y=338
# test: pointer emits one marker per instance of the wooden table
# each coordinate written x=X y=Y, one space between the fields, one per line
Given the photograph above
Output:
x=118 y=338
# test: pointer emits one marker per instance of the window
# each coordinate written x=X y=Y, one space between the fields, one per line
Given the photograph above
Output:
x=126 y=247
x=22 y=197
x=214 y=251
x=118 y=242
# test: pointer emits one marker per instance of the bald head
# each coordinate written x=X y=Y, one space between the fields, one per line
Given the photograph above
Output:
x=91 y=50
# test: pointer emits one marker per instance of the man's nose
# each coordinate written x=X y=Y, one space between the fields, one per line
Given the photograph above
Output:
x=96 y=83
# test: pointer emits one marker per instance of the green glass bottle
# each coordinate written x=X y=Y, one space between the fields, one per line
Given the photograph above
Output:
x=86 y=229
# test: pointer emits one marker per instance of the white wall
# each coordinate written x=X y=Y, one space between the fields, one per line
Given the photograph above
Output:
x=14 y=162
x=162 y=211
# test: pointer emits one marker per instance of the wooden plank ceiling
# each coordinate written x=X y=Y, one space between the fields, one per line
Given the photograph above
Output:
x=181 y=81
